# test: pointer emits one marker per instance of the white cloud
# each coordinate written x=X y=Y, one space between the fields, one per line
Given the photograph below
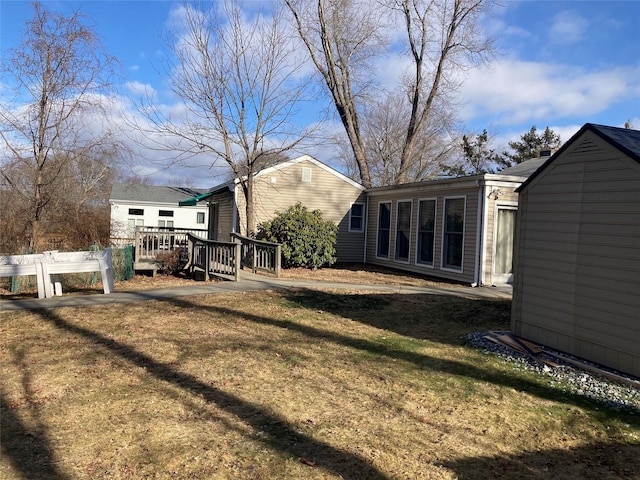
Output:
x=568 y=27
x=513 y=92
x=140 y=89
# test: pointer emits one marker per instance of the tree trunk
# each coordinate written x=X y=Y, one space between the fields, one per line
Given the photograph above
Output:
x=248 y=193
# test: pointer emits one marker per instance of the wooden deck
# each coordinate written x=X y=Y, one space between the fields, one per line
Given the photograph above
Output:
x=206 y=258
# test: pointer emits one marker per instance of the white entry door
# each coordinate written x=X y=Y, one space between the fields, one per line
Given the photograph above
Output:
x=503 y=246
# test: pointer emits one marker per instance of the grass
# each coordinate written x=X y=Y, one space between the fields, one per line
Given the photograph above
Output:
x=290 y=384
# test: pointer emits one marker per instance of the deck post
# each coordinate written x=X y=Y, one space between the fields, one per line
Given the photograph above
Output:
x=237 y=253
x=254 y=268
x=278 y=260
x=207 y=262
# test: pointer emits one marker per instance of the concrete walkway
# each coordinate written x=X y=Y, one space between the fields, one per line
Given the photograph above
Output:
x=248 y=282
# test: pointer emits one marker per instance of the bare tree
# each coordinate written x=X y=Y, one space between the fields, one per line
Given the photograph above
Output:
x=240 y=77
x=343 y=37
x=441 y=38
x=384 y=134
x=51 y=130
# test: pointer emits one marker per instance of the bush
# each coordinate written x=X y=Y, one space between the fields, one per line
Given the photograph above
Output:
x=173 y=261
x=307 y=240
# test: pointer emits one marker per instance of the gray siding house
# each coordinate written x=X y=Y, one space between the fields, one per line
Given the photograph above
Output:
x=577 y=251
x=460 y=229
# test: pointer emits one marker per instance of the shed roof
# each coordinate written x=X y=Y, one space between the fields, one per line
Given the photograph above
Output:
x=152 y=193
x=624 y=139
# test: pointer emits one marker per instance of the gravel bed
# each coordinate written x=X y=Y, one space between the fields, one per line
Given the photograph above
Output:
x=616 y=396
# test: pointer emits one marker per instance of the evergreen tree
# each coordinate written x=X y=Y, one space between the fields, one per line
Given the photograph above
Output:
x=529 y=146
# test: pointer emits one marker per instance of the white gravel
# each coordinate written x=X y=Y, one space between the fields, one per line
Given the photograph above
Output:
x=614 y=395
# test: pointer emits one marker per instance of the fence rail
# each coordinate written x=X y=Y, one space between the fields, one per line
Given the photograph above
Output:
x=213 y=257
x=259 y=255
x=151 y=241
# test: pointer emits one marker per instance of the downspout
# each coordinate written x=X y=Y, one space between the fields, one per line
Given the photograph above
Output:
x=479 y=234
x=366 y=231
x=485 y=227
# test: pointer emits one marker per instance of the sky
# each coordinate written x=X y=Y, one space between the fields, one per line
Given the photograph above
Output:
x=559 y=64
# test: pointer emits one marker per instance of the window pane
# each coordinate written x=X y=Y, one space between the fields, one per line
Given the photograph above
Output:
x=427 y=216
x=384 y=223
x=165 y=213
x=453 y=233
x=136 y=211
x=356 y=220
x=200 y=217
x=455 y=215
x=403 y=230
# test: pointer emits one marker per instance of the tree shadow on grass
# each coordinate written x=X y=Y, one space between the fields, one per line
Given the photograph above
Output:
x=593 y=462
x=28 y=451
x=438 y=318
x=358 y=312
x=276 y=432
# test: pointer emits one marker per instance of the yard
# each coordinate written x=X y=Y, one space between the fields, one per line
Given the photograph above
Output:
x=290 y=384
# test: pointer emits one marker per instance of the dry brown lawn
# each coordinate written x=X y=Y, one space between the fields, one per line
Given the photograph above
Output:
x=291 y=384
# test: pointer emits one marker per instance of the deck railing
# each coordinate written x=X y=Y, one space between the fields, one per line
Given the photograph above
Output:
x=150 y=241
x=213 y=257
x=259 y=255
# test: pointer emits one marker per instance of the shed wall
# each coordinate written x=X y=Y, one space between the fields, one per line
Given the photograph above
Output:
x=578 y=256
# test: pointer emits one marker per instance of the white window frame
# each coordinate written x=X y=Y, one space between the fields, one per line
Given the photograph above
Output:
x=395 y=241
x=390 y=203
x=435 y=220
x=361 y=229
x=443 y=250
x=137 y=222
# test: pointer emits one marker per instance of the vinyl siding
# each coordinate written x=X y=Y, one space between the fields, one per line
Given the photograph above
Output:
x=414 y=193
x=578 y=260
x=225 y=215
x=279 y=189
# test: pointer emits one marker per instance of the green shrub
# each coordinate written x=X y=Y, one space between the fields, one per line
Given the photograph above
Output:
x=307 y=240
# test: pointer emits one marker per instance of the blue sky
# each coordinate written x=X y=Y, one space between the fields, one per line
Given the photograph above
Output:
x=559 y=64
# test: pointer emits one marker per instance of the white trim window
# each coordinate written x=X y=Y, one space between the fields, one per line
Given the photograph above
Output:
x=132 y=223
x=356 y=217
x=384 y=229
x=200 y=218
x=403 y=230
x=453 y=233
x=425 y=244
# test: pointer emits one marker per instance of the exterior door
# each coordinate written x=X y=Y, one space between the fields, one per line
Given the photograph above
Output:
x=213 y=221
x=503 y=246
